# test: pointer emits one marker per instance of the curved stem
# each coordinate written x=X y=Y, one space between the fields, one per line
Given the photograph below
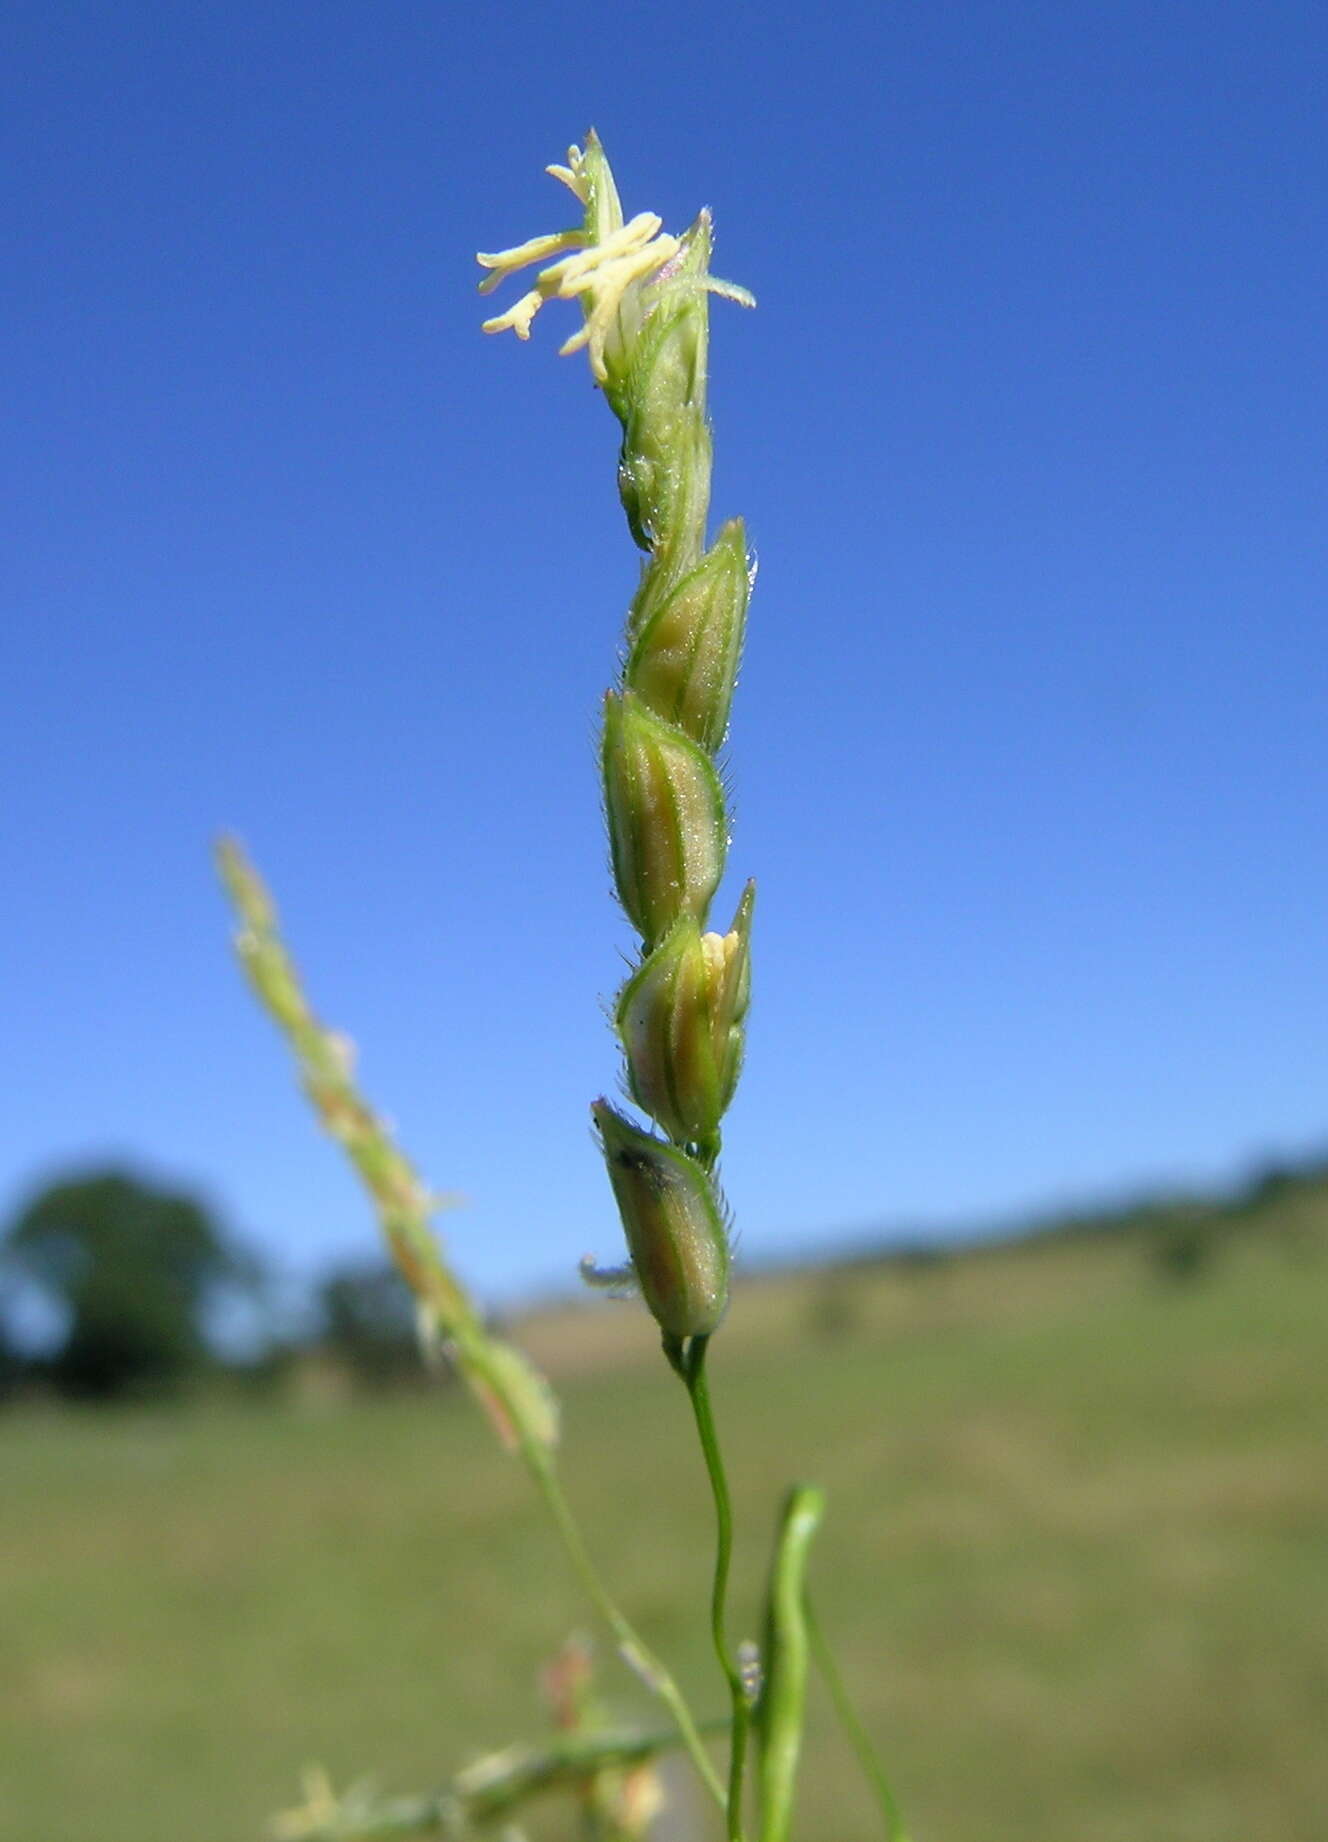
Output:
x=633 y=1649
x=781 y=1711
x=693 y=1371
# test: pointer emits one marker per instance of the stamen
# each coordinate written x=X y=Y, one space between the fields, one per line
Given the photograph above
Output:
x=624 y=242
x=571 y=175
x=600 y=274
x=610 y=284
x=517 y=318
x=507 y=261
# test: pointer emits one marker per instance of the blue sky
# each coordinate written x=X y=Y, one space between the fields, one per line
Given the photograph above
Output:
x=1028 y=755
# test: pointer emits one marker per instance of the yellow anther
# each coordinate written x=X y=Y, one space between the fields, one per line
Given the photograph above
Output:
x=507 y=261
x=720 y=950
x=601 y=274
x=517 y=319
x=575 y=273
x=609 y=284
x=571 y=175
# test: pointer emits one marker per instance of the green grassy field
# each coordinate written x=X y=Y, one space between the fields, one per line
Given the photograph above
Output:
x=1076 y=1561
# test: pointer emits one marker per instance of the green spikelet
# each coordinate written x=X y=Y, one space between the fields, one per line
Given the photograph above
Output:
x=683 y=664
x=674 y=1226
x=680 y=1021
x=665 y=809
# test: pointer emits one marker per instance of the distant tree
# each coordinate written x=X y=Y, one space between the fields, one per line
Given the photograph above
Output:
x=1272 y=1182
x=368 y=1325
x=11 y=1363
x=136 y=1269
x=1183 y=1242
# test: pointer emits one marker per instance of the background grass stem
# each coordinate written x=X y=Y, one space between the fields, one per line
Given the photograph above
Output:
x=854 y=1731
x=631 y=1646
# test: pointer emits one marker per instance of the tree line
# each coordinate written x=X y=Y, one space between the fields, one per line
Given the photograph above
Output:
x=136 y=1286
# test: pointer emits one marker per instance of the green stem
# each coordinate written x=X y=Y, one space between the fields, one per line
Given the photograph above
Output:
x=633 y=1648
x=854 y=1731
x=693 y=1371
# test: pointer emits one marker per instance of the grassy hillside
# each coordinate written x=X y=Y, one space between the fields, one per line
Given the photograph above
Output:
x=1077 y=1557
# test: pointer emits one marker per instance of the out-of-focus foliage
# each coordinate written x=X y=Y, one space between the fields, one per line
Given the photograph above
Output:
x=136 y=1269
x=368 y=1325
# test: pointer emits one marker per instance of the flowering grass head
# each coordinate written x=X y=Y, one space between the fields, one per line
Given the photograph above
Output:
x=644 y=294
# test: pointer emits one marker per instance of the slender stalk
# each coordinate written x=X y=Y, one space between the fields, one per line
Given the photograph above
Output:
x=631 y=1646
x=693 y=1372
x=854 y=1731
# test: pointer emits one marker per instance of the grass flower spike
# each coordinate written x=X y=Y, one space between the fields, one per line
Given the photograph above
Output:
x=644 y=298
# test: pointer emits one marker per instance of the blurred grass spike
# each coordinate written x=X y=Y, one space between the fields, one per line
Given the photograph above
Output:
x=617 y=1804
x=518 y=1401
x=515 y=1396
x=491 y=1788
